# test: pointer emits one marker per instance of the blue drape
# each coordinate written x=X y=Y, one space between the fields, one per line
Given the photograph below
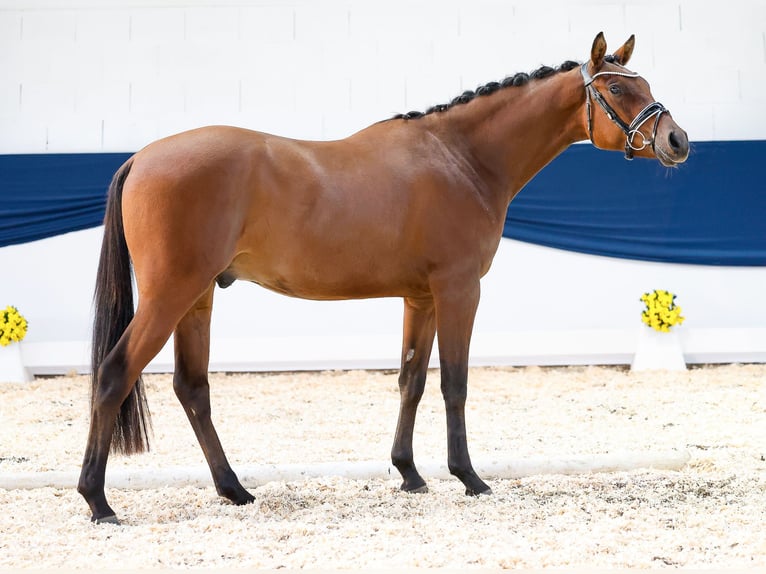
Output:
x=711 y=210
x=43 y=195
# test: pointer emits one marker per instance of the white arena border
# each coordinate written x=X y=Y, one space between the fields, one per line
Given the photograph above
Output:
x=258 y=474
x=571 y=347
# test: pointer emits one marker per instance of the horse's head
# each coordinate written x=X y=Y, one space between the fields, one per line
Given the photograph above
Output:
x=639 y=124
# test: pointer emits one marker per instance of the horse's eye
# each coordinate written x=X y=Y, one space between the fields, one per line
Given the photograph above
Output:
x=615 y=89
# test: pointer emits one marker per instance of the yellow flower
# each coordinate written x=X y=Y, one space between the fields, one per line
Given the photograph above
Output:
x=13 y=326
x=661 y=312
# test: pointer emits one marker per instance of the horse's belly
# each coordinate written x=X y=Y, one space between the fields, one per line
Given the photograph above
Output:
x=330 y=278
x=332 y=291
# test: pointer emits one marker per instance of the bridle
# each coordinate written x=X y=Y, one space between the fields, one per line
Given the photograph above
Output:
x=655 y=109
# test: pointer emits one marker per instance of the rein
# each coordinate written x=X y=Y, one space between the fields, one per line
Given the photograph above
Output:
x=655 y=109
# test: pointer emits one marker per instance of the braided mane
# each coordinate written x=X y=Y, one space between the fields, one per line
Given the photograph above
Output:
x=519 y=79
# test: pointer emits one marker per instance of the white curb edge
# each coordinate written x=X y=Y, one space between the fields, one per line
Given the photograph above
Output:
x=252 y=475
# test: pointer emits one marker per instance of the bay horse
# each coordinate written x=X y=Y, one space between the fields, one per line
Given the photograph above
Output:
x=409 y=207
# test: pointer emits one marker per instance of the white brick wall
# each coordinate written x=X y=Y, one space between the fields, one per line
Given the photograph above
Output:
x=113 y=75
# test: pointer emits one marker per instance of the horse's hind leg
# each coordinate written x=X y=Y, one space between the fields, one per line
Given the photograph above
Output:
x=190 y=382
x=142 y=340
x=419 y=330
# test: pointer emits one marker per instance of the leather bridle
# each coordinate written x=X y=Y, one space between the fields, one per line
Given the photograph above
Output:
x=655 y=109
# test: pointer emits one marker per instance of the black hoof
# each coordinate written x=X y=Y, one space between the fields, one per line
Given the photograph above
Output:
x=236 y=494
x=111 y=519
x=422 y=489
x=241 y=498
x=485 y=492
x=249 y=499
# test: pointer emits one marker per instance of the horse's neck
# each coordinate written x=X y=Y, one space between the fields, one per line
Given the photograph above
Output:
x=517 y=131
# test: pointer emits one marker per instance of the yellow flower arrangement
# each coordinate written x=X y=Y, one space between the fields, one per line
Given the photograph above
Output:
x=661 y=311
x=13 y=326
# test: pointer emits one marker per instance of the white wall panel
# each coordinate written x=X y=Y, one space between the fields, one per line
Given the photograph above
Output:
x=102 y=99
x=278 y=97
x=95 y=27
x=89 y=131
x=155 y=97
x=127 y=62
x=321 y=22
x=697 y=119
x=652 y=21
x=49 y=27
x=204 y=97
x=426 y=89
x=10 y=28
x=10 y=99
x=30 y=134
x=374 y=98
x=157 y=24
x=211 y=25
x=739 y=120
x=704 y=83
x=48 y=99
x=123 y=132
x=260 y=25
x=751 y=81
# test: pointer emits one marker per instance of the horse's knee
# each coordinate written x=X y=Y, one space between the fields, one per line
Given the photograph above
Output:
x=411 y=385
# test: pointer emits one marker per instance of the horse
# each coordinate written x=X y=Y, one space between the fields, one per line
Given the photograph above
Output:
x=412 y=206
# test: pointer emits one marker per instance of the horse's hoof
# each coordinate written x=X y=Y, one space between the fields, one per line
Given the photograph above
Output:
x=242 y=500
x=111 y=519
x=419 y=490
x=471 y=492
x=422 y=489
x=243 y=497
x=237 y=495
x=249 y=499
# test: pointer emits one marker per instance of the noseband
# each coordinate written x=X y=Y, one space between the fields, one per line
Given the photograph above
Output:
x=655 y=109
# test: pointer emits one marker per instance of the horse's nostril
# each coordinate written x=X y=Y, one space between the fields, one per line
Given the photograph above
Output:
x=674 y=141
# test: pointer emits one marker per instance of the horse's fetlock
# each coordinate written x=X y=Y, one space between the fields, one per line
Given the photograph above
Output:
x=459 y=470
x=84 y=489
x=400 y=461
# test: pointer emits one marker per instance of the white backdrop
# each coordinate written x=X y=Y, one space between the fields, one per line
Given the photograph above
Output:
x=113 y=75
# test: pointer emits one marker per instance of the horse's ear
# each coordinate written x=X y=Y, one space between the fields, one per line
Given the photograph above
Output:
x=622 y=55
x=598 y=51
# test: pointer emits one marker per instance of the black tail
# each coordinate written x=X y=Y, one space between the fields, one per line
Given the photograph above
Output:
x=113 y=307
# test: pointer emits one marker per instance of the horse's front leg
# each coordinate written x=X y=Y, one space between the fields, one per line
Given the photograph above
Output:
x=455 y=313
x=418 y=339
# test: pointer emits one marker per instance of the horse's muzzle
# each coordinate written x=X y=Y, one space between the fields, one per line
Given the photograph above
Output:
x=671 y=145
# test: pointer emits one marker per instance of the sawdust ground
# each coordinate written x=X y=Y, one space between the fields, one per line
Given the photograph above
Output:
x=709 y=514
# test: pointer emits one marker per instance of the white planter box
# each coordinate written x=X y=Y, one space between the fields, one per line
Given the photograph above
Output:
x=12 y=368
x=656 y=350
